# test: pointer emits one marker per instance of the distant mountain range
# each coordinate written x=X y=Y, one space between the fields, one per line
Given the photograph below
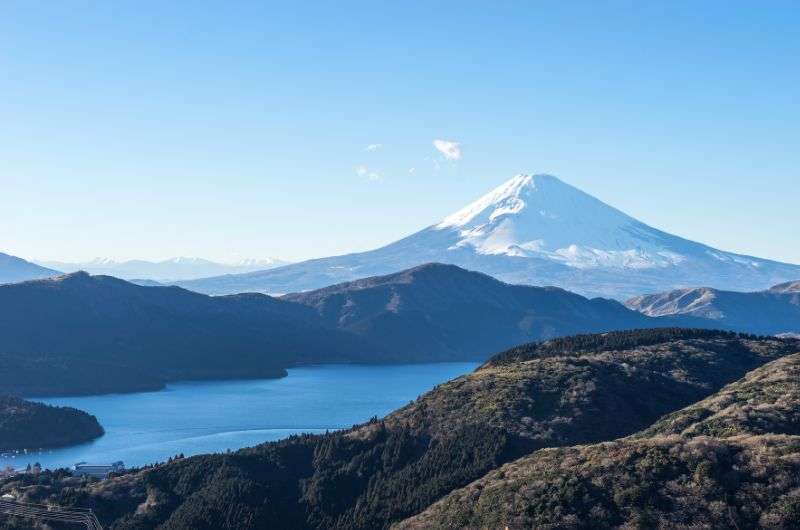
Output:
x=91 y=334
x=180 y=268
x=534 y=230
x=14 y=269
x=770 y=312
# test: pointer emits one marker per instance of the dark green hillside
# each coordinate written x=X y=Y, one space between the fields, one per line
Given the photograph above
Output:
x=89 y=334
x=438 y=311
x=28 y=425
x=386 y=470
x=729 y=461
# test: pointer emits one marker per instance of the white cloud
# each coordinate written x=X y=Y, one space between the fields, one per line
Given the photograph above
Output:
x=412 y=170
x=373 y=147
x=450 y=150
x=365 y=172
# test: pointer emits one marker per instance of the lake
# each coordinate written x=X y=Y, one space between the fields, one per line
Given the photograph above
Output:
x=214 y=416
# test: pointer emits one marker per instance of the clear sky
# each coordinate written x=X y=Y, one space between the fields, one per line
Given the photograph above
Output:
x=239 y=129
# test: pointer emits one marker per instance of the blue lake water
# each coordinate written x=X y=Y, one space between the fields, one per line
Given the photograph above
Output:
x=213 y=416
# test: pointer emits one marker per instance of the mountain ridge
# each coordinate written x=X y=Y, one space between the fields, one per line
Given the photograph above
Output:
x=440 y=310
x=83 y=334
x=772 y=311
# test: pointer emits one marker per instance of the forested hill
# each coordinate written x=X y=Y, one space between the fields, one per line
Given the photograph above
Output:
x=28 y=425
x=729 y=461
x=441 y=311
x=386 y=470
x=92 y=334
x=82 y=334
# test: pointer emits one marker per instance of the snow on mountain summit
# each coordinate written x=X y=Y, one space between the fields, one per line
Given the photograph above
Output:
x=503 y=199
x=541 y=216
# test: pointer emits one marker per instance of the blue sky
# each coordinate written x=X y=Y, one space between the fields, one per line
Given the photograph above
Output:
x=223 y=130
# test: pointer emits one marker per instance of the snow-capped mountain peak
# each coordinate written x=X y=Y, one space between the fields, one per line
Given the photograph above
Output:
x=541 y=216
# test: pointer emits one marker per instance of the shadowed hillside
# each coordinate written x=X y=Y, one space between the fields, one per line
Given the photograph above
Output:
x=442 y=311
x=28 y=425
x=91 y=334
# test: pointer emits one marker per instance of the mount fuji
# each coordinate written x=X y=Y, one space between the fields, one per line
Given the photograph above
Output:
x=534 y=230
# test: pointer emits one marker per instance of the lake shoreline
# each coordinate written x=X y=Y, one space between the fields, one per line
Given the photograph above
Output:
x=241 y=377
x=212 y=416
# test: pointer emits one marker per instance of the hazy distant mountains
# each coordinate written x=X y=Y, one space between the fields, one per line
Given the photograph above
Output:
x=13 y=269
x=172 y=269
x=773 y=311
x=534 y=230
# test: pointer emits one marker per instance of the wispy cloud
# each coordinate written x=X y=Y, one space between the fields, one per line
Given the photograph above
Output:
x=372 y=176
x=373 y=147
x=450 y=150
